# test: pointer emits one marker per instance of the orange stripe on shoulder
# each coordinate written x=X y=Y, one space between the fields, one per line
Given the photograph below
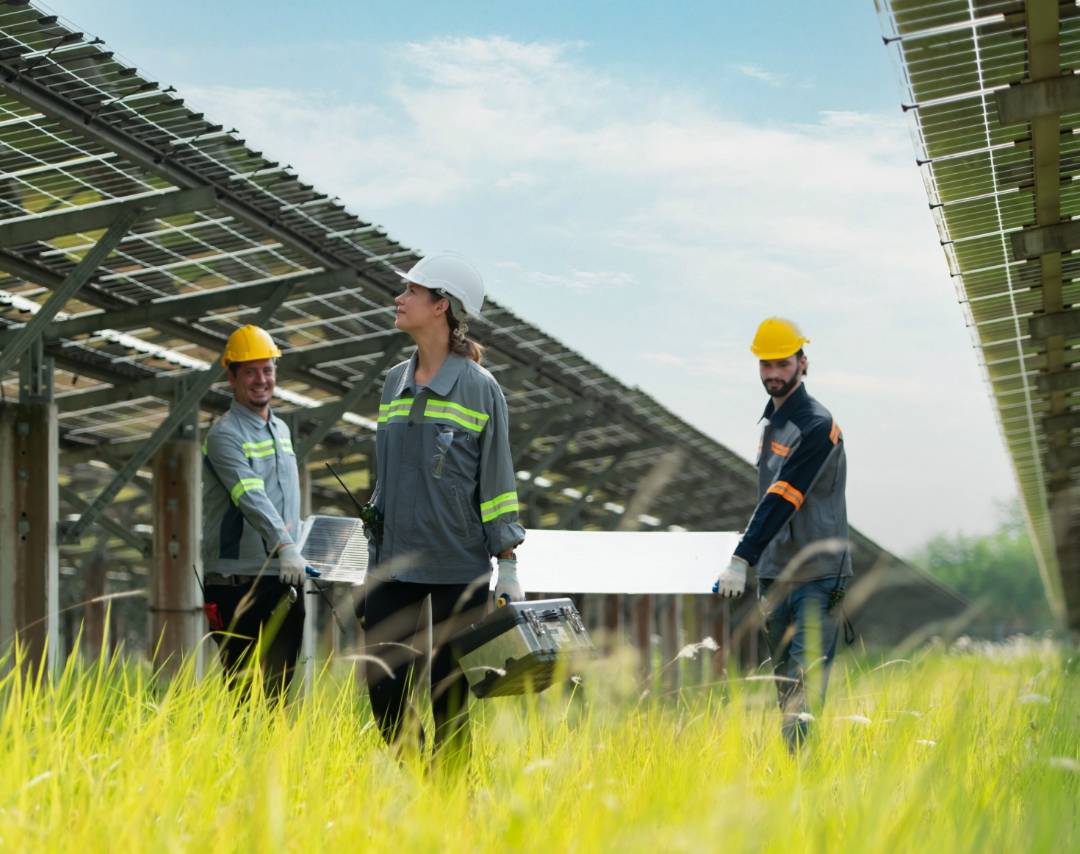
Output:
x=788 y=492
x=780 y=450
x=836 y=434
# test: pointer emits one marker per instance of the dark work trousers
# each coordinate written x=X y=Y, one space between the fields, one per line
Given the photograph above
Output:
x=801 y=621
x=268 y=609
x=395 y=631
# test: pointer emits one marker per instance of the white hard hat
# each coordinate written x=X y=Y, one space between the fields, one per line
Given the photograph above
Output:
x=452 y=274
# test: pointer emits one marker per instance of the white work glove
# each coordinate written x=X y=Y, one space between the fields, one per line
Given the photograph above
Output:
x=508 y=588
x=732 y=580
x=291 y=565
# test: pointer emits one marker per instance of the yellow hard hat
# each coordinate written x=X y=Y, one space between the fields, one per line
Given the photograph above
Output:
x=248 y=344
x=777 y=338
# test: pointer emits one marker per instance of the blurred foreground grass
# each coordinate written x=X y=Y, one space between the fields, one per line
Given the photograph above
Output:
x=971 y=751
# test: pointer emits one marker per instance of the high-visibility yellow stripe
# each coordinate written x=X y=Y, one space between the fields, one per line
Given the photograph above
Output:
x=469 y=413
x=395 y=409
x=498 y=499
x=254 y=446
x=286 y=446
x=788 y=492
x=500 y=511
x=256 y=455
x=246 y=484
x=454 y=419
x=445 y=410
x=499 y=506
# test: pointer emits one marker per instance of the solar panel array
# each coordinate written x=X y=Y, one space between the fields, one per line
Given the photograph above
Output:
x=993 y=177
x=80 y=130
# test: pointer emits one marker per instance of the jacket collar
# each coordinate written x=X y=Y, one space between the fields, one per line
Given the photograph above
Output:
x=443 y=381
x=779 y=417
x=243 y=412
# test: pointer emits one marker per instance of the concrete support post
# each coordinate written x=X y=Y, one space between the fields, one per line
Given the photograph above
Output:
x=29 y=555
x=177 y=624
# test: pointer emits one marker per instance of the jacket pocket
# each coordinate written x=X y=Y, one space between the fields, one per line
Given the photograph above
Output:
x=444 y=440
x=457 y=511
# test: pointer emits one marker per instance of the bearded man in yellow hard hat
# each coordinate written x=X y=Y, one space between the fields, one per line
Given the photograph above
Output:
x=252 y=565
x=797 y=537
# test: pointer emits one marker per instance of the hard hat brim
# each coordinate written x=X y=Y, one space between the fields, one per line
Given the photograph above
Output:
x=777 y=354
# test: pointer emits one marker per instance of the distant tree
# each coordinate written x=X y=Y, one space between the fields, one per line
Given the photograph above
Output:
x=998 y=570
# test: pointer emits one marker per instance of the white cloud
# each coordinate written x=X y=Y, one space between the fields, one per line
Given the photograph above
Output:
x=756 y=73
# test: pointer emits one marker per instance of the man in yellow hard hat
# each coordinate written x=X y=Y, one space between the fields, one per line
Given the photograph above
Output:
x=252 y=565
x=797 y=537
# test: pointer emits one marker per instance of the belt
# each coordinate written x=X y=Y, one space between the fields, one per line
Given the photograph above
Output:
x=216 y=579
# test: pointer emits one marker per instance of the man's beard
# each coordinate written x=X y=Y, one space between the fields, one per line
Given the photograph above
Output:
x=785 y=389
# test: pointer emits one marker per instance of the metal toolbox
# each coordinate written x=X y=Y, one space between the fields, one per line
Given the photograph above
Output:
x=519 y=647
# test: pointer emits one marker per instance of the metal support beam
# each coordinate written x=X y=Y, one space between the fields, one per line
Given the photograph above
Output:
x=1065 y=323
x=1038 y=240
x=600 y=476
x=159 y=160
x=1062 y=459
x=522 y=441
x=1052 y=96
x=1064 y=421
x=320 y=354
x=188 y=306
x=331 y=414
x=70 y=286
x=36 y=228
x=199 y=384
x=560 y=447
x=1060 y=381
x=138 y=542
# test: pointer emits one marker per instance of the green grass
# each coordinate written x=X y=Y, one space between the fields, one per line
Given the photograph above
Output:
x=948 y=752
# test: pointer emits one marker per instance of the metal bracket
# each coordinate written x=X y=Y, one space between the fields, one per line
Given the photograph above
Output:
x=74 y=280
x=334 y=411
x=35 y=374
x=141 y=544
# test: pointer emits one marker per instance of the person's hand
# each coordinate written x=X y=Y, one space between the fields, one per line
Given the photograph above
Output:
x=291 y=565
x=732 y=580
x=507 y=587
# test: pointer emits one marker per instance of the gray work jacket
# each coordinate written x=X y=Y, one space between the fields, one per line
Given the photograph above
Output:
x=802 y=477
x=445 y=480
x=251 y=492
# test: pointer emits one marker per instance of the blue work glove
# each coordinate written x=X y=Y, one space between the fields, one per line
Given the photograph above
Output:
x=732 y=580
x=507 y=587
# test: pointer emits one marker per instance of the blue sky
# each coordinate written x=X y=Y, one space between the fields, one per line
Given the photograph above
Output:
x=645 y=182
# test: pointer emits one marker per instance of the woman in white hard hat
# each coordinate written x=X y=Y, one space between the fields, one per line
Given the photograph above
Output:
x=445 y=500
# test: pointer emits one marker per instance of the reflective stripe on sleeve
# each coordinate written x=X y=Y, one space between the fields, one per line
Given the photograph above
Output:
x=499 y=506
x=836 y=434
x=780 y=450
x=246 y=484
x=788 y=492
